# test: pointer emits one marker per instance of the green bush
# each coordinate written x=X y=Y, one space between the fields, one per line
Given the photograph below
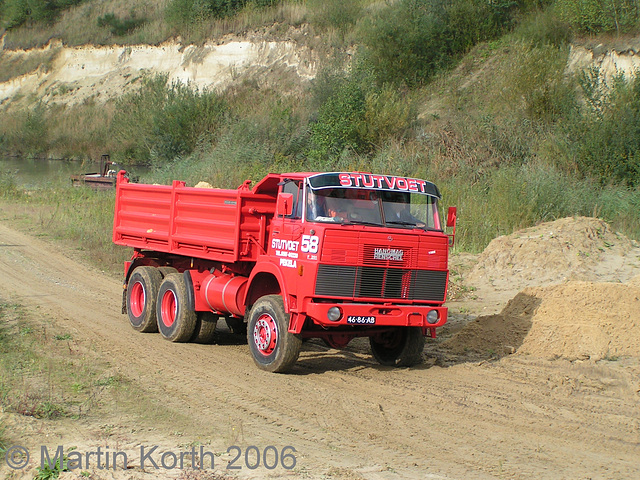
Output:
x=604 y=136
x=159 y=122
x=538 y=77
x=14 y=13
x=120 y=27
x=355 y=115
x=388 y=115
x=336 y=14
x=180 y=14
x=596 y=16
x=411 y=40
x=340 y=123
x=542 y=28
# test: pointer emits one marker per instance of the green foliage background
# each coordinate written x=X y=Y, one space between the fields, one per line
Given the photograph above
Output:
x=14 y=13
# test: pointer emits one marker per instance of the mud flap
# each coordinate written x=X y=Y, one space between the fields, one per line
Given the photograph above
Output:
x=124 y=300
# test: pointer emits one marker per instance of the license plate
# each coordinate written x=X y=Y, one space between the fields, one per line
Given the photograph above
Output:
x=358 y=320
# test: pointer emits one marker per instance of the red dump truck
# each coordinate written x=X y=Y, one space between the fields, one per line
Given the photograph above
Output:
x=298 y=255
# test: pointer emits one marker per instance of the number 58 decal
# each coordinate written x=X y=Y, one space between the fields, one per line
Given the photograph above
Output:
x=309 y=244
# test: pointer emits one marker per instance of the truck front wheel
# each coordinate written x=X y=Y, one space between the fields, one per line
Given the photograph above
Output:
x=400 y=347
x=176 y=321
x=273 y=348
x=142 y=291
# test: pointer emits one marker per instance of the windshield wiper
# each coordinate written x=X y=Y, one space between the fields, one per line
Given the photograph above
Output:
x=414 y=225
x=362 y=222
x=400 y=222
x=408 y=224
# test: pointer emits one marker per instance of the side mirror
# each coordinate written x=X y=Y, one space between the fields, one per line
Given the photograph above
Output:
x=284 y=204
x=452 y=214
x=451 y=217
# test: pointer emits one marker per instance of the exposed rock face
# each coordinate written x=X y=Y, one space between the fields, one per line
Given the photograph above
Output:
x=79 y=73
x=611 y=60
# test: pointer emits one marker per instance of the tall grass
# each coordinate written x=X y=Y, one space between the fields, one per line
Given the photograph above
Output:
x=58 y=131
x=518 y=197
x=4 y=441
x=499 y=203
x=78 y=218
x=79 y=25
x=153 y=27
x=27 y=384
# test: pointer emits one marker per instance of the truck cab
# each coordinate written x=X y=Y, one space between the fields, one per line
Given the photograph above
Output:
x=360 y=255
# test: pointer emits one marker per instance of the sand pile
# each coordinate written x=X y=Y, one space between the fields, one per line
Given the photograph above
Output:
x=576 y=320
x=579 y=248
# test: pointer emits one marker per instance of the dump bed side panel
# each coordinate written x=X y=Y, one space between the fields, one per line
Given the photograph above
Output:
x=213 y=224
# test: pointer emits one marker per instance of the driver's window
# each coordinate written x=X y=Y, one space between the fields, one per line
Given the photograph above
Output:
x=294 y=189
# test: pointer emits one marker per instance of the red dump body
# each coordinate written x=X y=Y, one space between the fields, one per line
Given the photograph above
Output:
x=207 y=223
x=277 y=257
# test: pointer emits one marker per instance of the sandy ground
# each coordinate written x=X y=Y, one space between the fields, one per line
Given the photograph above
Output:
x=545 y=386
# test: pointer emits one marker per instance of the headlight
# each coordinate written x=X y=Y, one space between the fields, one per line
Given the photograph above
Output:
x=433 y=317
x=334 y=314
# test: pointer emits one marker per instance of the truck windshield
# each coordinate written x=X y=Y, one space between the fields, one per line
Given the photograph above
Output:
x=388 y=208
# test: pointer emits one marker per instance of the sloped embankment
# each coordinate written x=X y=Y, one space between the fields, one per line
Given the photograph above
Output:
x=573 y=248
x=579 y=294
x=575 y=320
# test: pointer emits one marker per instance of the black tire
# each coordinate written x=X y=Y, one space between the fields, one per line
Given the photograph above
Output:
x=164 y=271
x=176 y=322
x=273 y=348
x=205 y=331
x=401 y=347
x=142 y=292
x=237 y=326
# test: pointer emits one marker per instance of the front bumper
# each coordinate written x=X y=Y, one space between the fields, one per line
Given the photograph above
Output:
x=367 y=314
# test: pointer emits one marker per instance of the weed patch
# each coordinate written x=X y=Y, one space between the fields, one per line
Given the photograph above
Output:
x=44 y=378
x=120 y=26
x=49 y=472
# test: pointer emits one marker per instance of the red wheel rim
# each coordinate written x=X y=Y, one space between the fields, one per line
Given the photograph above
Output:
x=338 y=340
x=168 y=308
x=137 y=299
x=265 y=334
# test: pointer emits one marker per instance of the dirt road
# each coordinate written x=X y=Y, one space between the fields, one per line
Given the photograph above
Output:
x=455 y=417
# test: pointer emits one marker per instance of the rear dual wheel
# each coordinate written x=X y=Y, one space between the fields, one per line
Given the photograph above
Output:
x=157 y=301
x=176 y=321
x=142 y=291
x=205 y=330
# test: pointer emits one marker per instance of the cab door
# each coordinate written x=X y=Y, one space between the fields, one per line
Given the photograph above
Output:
x=286 y=235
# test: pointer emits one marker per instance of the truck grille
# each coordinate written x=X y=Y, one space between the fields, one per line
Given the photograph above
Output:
x=380 y=282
